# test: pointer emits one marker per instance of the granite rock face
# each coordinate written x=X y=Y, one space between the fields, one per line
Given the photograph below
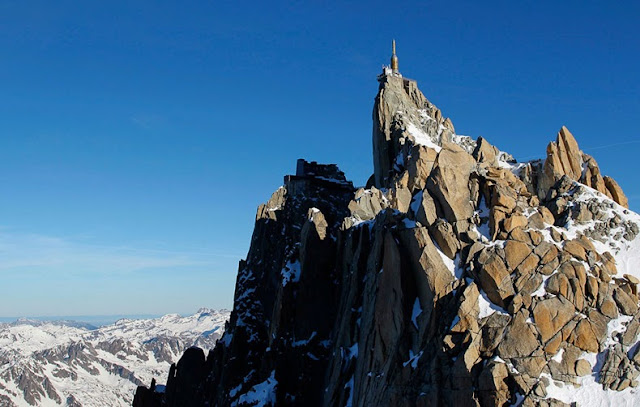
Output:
x=457 y=277
x=565 y=158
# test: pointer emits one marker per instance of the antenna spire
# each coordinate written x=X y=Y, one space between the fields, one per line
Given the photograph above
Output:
x=394 y=58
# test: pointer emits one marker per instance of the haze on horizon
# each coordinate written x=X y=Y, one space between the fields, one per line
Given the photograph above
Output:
x=139 y=139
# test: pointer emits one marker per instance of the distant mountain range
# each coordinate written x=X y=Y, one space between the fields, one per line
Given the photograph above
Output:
x=94 y=321
x=69 y=363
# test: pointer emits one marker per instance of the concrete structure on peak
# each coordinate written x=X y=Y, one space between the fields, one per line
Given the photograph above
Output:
x=311 y=175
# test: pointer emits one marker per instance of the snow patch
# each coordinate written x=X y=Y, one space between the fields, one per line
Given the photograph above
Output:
x=291 y=273
x=558 y=356
x=615 y=326
x=420 y=137
x=349 y=386
x=262 y=394
x=416 y=201
x=304 y=342
x=408 y=223
x=590 y=393
x=451 y=266
x=413 y=359
x=352 y=352
x=487 y=307
x=542 y=290
x=417 y=310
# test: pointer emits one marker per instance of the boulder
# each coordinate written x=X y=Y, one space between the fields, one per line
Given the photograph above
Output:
x=521 y=338
x=563 y=158
x=273 y=206
x=468 y=311
x=536 y=237
x=419 y=166
x=433 y=278
x=515 y=252
x=627 y=304
x=444 y=236
x=609 y=263
x=574 y=248
x=495 y=279
x=583 y=367
x=535 y=221
x=631 y=333
x=546 y=214
x=551 y=315
x=584 y=337
x=485 y=153
x=570 y=154
x=317 y=223
x=605 y=301
x=496 y=217
x=448 y=182
x=493 y=387
x=616 y=192
x=591 y=176
x=427 y=212
x=367 y=203
x=504 y=196
x=519 y=235
x=514 y=221
x=401 y=198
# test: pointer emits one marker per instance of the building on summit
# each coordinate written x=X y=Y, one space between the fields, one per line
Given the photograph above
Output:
x=391 y=70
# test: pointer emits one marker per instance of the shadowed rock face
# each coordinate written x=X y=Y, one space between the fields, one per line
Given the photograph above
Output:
x=457 y=278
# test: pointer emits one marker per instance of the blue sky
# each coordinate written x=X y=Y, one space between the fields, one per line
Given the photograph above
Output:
x=138 y=138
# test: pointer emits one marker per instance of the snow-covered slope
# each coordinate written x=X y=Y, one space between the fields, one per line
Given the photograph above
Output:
x=55 y=363
x=613 y=229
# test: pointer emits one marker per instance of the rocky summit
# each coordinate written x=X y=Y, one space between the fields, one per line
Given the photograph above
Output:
x=456 y=277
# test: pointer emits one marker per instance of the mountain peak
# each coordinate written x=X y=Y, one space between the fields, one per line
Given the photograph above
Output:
x=455 y=277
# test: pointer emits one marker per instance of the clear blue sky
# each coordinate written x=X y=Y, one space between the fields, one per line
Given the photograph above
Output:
x=137 y=138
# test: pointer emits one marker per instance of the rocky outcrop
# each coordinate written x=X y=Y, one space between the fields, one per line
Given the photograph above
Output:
x=616 y=192
x=564 y=158
x=403 y=120
x=457 y=277
x=486 y=154
x=448 y=183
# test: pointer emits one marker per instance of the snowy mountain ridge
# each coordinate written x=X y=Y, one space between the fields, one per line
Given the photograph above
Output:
x=61 y=363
